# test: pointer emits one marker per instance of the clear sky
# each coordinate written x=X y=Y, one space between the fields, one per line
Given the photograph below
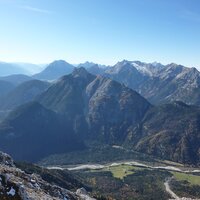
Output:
x=102 y=31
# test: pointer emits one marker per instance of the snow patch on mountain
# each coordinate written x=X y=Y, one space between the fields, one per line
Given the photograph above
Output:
x=142 y=69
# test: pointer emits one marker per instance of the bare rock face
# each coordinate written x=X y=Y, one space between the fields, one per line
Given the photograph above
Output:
x=15 y=184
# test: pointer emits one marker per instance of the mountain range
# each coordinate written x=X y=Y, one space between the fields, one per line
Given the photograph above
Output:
x=156 y=82
x=80 y=108
x=85 y=100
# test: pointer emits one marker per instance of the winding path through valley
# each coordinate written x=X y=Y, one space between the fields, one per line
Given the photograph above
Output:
x=168 y=190
x=133 y=163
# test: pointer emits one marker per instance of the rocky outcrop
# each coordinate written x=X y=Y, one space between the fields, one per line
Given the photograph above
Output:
x=5 y=159
x=15 y=184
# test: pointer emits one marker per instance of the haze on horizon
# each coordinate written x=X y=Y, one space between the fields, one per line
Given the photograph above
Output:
x=104 y=31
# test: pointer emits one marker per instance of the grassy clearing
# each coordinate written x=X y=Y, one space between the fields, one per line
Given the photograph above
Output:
x=121 y=171
x=192 y=179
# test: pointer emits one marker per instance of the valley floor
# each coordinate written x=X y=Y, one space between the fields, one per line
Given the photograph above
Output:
x=173 y=180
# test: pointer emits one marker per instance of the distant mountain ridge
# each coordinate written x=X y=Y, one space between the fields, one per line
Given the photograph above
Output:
x=88 y=65
x=16 y=79
x=7 y=69
x=156 y=82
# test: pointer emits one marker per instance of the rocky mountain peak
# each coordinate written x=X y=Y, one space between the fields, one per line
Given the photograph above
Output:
x=175 y=67
x=120 y=67
x=80 y=72
x=55 y=70
x=87 y=64
x=58 y=62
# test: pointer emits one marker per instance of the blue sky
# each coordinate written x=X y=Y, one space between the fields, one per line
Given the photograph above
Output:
x=102 y=31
